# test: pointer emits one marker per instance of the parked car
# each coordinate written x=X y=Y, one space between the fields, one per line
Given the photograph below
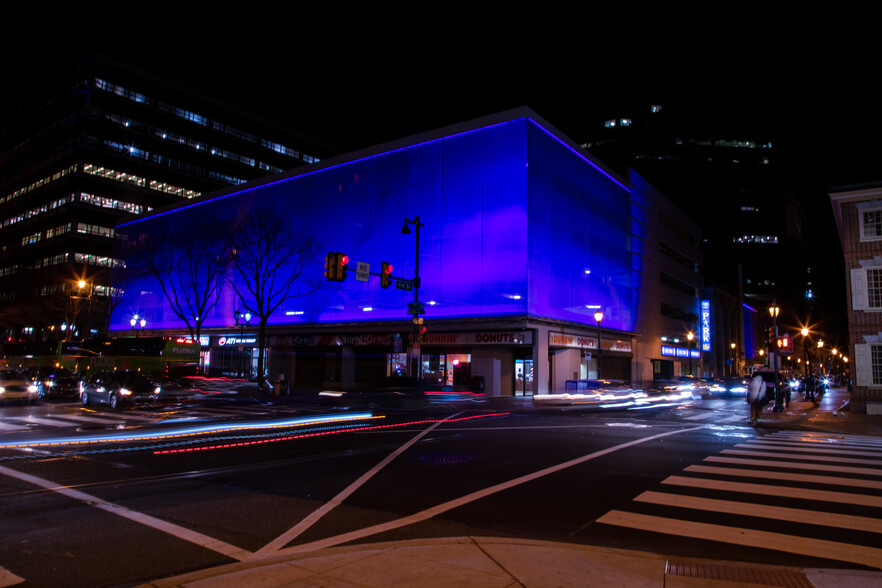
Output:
x=119 y=388
x=55 y=382
x=15 y=387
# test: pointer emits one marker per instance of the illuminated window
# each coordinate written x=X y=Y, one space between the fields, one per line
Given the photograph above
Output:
x=874 y=288
x=871 y=224
x=877 y=364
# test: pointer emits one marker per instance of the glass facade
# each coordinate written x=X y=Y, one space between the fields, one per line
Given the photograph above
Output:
x=516 y=223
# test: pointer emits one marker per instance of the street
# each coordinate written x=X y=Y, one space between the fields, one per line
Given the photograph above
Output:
x=115 y=498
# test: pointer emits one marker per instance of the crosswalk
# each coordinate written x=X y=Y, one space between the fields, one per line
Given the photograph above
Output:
x=73 y=417
x=794 y=492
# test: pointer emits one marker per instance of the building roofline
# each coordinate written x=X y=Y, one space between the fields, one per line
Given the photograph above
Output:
x=388 y=147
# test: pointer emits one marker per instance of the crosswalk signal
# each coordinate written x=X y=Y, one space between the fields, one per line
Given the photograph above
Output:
x=385 y=274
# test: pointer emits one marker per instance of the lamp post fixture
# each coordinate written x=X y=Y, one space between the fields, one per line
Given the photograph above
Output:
x=81 y=285
x=732 y=367
x=820 y=359
x=598 y=316
x=415 y=348
x=136 y=322
x=809 y=384
x=774 y=310
x=245 y=317
x=690 y=336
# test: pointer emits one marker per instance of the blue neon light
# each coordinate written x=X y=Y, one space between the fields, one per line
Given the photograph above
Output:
x=512 y=217
x=705 y=325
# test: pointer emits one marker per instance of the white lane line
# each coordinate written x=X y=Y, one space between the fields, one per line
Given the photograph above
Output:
x=285 y=538
x=752 y=509
x=175 y=530
x=794 y=455
x=43 y=421
x=92 y=419
x=452 y=504
x=770 y=490
x=786 y=476
x=803 y=448
x=7 y=578
x=857 y=554
x=797 y=466
x=11 y=427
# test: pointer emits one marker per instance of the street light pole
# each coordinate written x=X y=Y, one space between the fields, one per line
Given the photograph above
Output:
x=415 y=347
x=598 y=316
x=690 y=336
x=246 y=318
x=809 y=385
x=779 y=396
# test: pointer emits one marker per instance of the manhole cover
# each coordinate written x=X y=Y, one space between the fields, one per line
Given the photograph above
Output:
x=442 y=457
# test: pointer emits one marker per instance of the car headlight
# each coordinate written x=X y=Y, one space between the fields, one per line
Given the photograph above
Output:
x=156 y=391
x=2 y=389
x=739 y=389
x=33 y=388
x=125 y=391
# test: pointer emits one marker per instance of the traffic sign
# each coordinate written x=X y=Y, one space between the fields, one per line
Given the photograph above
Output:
x=362 y=272
x=404 y=284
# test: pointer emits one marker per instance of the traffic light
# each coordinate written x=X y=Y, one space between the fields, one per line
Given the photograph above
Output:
x=331 y=264
x=342 y=261
x=385 y=274
x=335 y=266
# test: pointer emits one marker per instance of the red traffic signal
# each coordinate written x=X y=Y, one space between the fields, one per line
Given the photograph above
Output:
x=335 y=266
x=385 y=274
x=785 y=344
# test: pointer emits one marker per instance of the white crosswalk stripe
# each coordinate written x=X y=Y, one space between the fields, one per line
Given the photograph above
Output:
x=831 y=482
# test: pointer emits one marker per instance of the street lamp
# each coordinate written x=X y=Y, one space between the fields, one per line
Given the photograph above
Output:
x=415 y=349
x=773 y=312
x=598 y=316
x=809 y=384
x=732 y=367
x=246 y=318
x=135 y=322
x=690 y=336
x=82 y=284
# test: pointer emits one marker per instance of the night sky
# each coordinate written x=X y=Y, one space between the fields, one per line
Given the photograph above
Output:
x=373 y=86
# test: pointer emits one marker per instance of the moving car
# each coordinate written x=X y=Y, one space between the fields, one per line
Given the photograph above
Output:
x=17 y=388
x=118 y=388
x=55 y=382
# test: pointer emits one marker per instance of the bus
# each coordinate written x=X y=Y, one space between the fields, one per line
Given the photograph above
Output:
x=40 y=354
x=167 y=357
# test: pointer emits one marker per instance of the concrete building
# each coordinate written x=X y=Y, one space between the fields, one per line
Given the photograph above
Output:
x=524 y=238
x=858 y=214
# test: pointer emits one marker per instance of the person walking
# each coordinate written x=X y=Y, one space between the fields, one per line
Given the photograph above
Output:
x=756 y=389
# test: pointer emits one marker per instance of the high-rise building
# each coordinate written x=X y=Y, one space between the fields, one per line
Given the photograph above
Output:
x=728 y=174
x=98 y=143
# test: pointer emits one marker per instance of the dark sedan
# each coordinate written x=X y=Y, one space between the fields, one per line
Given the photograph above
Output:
x=119 y=388
x=55 y=382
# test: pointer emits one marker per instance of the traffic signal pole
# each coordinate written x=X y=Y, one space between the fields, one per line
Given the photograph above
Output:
x=415 y=348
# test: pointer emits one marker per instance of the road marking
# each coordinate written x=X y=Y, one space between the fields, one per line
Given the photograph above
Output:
x=803 y=448
x=797 y=466
x=858 y=554
x=471 y=497
x=11 y=427
x=837 y=458
x=786 y=476
x=93 y=419
x=285 y=538
x=175 y=530
x=7 y=578
x=751 y=509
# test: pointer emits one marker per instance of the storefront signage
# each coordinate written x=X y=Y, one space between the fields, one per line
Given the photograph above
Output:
x=671 y=351
x=227 y=341
x=705 y=325
x=581 y=342
x=480 y=338
x=388 y=339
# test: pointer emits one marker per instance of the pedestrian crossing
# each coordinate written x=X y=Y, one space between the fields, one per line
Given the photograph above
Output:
x=717 y=417
x=791 y=492
x=82 y=417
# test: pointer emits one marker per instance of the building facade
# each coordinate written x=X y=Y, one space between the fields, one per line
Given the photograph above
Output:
x=858 y=214
x=523 y=240
x=100 y=143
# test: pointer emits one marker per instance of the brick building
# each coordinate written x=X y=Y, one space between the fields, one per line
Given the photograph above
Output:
x=858 y=215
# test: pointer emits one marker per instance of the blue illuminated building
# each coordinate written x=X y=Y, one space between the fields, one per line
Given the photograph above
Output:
x=525 y=237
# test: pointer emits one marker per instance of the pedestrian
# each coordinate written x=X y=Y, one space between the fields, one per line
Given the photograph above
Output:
x=756 y=389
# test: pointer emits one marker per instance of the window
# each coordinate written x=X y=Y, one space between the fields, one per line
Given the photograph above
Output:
x=871 y=224
x=874 y=288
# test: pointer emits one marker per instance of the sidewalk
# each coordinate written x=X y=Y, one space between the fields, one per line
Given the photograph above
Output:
x=504 y=562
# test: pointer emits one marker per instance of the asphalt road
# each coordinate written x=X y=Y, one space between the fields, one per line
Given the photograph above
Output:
x=102 y=498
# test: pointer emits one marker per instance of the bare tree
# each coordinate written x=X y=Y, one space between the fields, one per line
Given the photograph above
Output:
x=268 y=257
x=190 y=265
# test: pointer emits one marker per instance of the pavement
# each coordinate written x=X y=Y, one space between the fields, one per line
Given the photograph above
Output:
x=506 y=562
